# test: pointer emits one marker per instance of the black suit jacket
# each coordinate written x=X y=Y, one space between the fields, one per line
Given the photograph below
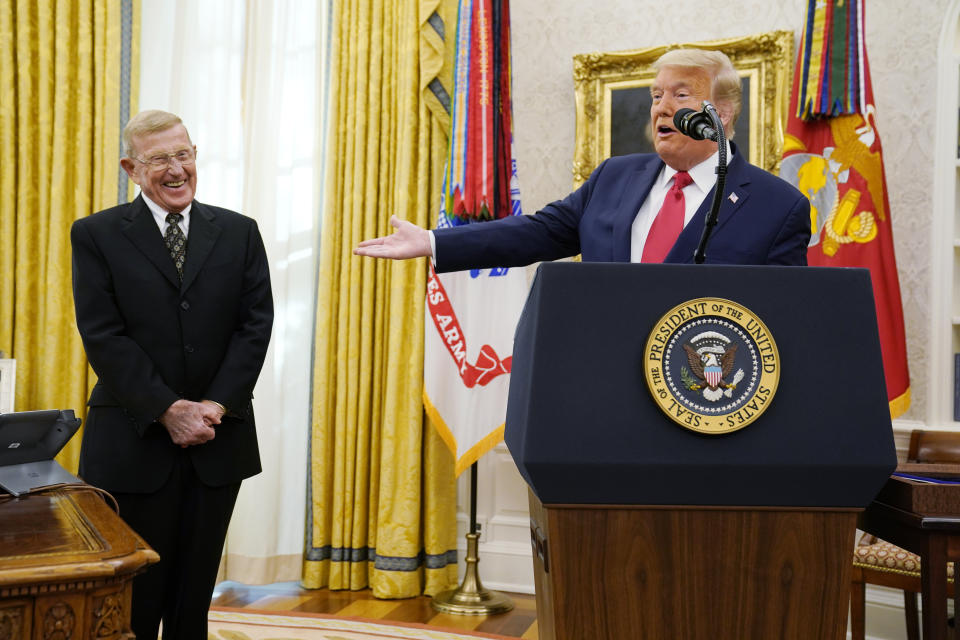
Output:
x=762 y=220
x=152 y=340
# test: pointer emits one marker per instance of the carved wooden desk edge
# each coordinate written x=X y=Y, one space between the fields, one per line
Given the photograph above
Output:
x=66 y=570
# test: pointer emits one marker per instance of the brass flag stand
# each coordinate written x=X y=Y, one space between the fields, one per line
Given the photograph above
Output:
x=471 y=598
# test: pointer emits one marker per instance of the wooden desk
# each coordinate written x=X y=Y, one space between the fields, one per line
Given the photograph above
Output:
x=66 y=562
x=924 y=519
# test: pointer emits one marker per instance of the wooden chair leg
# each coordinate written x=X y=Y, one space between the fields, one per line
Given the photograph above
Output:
x=912 y=615
x=858 y=605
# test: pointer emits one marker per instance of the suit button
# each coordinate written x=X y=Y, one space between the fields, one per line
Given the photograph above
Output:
x=188 y=348
x=184 y=305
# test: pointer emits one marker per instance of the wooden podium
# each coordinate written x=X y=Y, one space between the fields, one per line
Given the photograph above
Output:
x=646 y=530
x=66 y=562
x=674 y=572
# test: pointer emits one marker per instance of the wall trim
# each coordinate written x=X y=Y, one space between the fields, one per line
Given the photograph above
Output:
x=942 y=287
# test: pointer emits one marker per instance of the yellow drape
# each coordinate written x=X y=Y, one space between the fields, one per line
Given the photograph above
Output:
x=383 y=502
x=66 y=80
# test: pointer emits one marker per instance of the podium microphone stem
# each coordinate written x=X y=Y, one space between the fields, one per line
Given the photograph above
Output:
x=711 y=220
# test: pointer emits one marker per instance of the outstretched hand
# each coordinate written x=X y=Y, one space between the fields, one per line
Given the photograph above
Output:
x=408 y=241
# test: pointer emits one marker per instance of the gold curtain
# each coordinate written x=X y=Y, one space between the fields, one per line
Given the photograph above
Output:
x=383 y=500
x=67 y=83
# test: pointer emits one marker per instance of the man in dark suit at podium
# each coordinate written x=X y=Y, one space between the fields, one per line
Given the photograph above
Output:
x=641 y=207
x=174 y=307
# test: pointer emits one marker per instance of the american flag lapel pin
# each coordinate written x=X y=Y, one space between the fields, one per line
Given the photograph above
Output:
x=733 y=197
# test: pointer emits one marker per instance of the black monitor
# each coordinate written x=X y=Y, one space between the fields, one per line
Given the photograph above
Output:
x=28 y=442
x=32 y=436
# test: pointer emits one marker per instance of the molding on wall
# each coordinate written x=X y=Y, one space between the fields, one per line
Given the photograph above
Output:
x=943 y=229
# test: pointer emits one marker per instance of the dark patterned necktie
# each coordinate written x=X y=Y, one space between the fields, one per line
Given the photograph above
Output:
x=176 y=242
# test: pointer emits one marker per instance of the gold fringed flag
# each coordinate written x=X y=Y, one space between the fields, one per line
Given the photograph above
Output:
x=832 y=153
x=472 y=315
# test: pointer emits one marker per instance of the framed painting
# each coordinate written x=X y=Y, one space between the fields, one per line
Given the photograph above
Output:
x=613 y=99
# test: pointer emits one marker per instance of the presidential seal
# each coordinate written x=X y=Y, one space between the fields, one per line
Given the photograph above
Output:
x=711 y=365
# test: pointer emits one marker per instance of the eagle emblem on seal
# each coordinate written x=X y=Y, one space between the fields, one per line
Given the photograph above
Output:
x=711 y=356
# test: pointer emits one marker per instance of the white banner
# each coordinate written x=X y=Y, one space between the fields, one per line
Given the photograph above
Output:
x=471 y=319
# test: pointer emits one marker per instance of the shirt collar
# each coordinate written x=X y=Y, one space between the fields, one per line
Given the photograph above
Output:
x=704 y=174
x=160 y=215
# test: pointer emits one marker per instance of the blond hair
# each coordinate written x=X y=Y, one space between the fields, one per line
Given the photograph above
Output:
x=149 y=121
x=726 y=88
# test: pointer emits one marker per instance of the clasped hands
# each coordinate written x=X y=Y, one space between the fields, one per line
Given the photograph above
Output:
x=190 y=423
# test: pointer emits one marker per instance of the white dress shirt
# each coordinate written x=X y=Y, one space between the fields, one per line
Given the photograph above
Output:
x=160 y=216
x=704 y=177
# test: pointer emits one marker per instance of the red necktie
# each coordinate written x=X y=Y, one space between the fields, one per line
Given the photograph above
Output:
x=668 y=224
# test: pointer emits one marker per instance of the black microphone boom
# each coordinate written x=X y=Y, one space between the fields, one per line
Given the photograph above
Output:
x=696 y=124
x=687 y=121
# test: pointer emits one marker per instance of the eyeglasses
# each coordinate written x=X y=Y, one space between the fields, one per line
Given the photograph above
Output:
x=161 y=161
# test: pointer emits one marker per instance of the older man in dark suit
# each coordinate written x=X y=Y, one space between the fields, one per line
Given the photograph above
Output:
x=641 y=207
x=174 y=307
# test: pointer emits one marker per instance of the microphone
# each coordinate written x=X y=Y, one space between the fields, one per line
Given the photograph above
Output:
x=696 y=124
x=701 y=125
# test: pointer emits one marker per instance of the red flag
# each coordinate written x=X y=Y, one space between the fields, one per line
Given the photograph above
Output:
x=837 y=162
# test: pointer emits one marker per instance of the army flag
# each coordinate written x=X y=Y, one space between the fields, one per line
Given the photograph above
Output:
x=832 y=153
x=472 y=315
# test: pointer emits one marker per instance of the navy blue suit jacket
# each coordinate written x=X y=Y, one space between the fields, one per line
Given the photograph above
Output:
x=762 y=220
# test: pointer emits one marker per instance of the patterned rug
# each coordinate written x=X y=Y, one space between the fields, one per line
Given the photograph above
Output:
x=246 y=624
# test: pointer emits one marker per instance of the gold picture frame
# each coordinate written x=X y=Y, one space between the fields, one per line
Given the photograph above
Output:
x=612 y=87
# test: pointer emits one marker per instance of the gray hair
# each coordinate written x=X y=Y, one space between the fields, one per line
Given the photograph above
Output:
x=149 y=121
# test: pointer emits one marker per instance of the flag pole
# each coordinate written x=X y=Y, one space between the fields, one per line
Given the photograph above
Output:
x=471 y=598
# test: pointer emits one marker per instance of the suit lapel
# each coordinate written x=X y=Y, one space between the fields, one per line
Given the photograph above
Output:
x=141 y=229
x=735 y=194
x=638 y=187
x=203 y=235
